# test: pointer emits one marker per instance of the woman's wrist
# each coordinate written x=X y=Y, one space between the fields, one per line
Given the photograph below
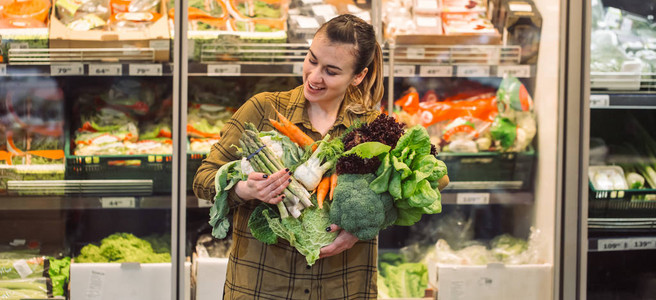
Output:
x=242 y=191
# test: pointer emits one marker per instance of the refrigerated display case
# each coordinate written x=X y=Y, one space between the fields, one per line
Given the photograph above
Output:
x=108 y=130
x=615 y=211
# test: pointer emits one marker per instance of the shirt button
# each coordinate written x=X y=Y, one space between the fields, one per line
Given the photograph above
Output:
x=308 y=267
x=307 y=291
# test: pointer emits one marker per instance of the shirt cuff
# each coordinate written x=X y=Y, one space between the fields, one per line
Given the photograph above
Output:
x=233 y=199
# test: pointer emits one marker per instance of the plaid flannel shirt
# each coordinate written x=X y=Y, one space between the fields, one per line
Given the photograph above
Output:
x=260 y=271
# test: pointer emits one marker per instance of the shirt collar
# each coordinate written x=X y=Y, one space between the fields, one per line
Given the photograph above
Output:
x=298 y=114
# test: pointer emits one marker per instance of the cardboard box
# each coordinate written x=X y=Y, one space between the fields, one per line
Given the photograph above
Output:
x=492 y=281
x=125 y=281
x=155 y=36
x=521 y=25
x=210 y=277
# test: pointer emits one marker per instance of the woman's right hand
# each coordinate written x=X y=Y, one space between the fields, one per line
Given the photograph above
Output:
x=266 y=188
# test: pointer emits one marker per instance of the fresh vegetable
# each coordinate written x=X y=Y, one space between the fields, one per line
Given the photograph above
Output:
x=295 y=133
x=121 y=247
x=401 y=279
x=310 y=172
x=333 y=184
x=322 y=190
x=59 y=274
x=263 y=160
x=307 y=233
x=9 y=268
x=358 y=209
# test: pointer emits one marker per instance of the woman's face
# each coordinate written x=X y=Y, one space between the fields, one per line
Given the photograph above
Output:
x=328 y=70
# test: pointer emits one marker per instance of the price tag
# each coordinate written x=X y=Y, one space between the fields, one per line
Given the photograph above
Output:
x=599 y=101
x=473 y=198
x=145 y=70
x=642 y=243
x=612 y=244
x=521 y=71
x=415 y=53
x=404 y=71
x=435 y=71
x=224 y=70
x=3 y=69
x=473 y=71
x=105 y=70
x=118 y=202
x=70 y=69
x=297 y=69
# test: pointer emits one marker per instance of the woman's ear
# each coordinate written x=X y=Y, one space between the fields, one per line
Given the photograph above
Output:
x=359 y=77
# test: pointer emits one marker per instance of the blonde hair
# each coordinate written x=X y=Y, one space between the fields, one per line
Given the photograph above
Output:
x=350 y=29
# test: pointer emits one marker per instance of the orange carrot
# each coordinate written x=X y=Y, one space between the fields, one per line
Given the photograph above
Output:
x=301 y=138
x=322 y=190
x=333 y=184
x=282 y=129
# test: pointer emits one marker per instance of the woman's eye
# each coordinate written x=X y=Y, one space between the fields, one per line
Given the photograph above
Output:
x=314 y=62
x=331 y=73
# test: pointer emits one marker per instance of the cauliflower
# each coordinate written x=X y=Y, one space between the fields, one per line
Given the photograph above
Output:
x=358 y=209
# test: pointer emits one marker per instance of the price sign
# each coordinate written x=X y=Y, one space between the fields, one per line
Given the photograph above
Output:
x=642 y=243
x=224 y=70
x=70 y=69
x=612 y=244
x=118 y=202
x=521 y=71
x=473 y=71
x=404 y=71
x=297 y=69
x=436 y=71
x=415 y=53
x=3 y=69
x=599 y=101
x=145 y=70
x=105 y=70
x=473 y=198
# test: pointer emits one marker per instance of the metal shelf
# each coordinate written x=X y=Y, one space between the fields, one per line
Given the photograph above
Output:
x=99 y=69
x=485 y=196
x=623 y=100
x=89 y=202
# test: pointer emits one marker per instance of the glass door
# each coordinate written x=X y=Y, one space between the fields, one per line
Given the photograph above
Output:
x=86 y=149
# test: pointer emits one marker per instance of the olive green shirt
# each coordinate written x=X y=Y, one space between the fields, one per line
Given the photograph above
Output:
x=260 y=271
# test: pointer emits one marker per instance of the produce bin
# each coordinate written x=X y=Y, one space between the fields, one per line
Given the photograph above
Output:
x=631 y=203
x=155 y=36
x=502 y=169
x=29 y=172
x=126 y=281
x=210 y=277
x=495 y=281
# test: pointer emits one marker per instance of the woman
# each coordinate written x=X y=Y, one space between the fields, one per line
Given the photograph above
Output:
x=342 y=83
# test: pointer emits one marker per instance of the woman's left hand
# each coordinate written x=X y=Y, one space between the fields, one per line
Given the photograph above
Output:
x=344 y=241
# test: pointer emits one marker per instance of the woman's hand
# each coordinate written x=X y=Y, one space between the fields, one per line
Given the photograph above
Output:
x=266 y=188
x=344 y=241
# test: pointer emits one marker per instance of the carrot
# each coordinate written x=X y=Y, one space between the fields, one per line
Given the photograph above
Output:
x=322 y=190
x=333 y=184
x=296 y=133
x=282 y=129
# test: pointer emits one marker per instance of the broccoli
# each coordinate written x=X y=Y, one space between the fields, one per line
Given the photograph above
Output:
x=358 y=209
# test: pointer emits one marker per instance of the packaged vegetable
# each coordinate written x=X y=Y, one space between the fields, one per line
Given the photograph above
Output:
x=27 y=9
x=21 y=23
x=132 y=21
x=606 y=178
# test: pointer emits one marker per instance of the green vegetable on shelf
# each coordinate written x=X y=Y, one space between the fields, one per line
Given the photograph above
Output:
x=122 y=247
x=260 y=9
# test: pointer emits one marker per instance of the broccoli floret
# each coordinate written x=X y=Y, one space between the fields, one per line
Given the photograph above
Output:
x=358 y=209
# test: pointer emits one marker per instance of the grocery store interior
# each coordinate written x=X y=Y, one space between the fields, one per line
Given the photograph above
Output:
x=542 y=112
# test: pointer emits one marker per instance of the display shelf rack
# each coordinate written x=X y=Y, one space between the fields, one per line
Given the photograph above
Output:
x=623 y=100
x=625 y=243
x=74 y=68
x=89 y=202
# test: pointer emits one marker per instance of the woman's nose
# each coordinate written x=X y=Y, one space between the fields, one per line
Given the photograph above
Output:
x=314 y=75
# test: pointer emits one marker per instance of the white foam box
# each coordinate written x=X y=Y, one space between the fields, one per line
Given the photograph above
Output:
x=125 y=281
x=210 y=277
x=492 y=281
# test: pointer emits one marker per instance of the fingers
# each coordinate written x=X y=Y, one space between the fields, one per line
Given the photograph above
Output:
x=333 y=228
x=269 y=188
